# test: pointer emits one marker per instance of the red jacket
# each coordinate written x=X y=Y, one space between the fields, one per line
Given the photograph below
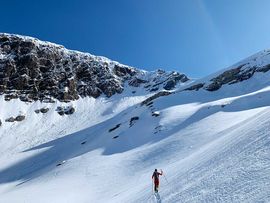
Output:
x=155 y=176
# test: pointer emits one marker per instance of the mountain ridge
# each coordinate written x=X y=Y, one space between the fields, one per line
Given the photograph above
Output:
x=45 y=71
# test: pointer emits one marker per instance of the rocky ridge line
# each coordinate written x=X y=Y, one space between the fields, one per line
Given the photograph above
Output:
x=34 y=70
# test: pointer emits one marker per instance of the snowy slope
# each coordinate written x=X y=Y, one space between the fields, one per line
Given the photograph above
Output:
x=213 y=146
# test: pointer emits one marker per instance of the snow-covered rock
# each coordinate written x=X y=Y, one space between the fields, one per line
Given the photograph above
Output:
x=34 y=70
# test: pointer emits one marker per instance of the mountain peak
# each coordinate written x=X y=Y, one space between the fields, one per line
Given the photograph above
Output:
x=31 y=69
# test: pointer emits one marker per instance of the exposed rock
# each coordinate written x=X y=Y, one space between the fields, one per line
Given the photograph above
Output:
x=44 y=110
x=25 y=98
x=214 y=86
x=147 y=86
x=149 y=104
x=170 y=85
x=10 y=119
x=69 y=110
x=65 y=110
x=17 y=118
x=123 y=71
x=155 y=96
x=264 y=68
x=0 y=122
x=61 y=163
x=195 y=87
x=158 y=129
x=47 y=70
x=132 y=120
x=156 y=114
x=235 y=75
x=61 y=113
x=154 y=89
x=37 y=111
x=173 y=79
x=8 y=97
x=20 y=118
x=224 y=78
x=136 y=82
x=115 y=136
x=34 y=70
x=114 y=128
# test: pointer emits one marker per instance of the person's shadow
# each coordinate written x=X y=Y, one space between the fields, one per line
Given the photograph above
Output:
x=157 y=197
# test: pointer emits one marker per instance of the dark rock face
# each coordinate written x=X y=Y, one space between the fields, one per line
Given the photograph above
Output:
x=31 y=70
x=0 y=122
x=166 y=80
x=155 y=96
x=136 y=82
x=264 y=68
x=17 y=118
x=195 y=87
x=44 y=110
x=235 y=75
x=133 y=120
x=68 y=110
x=155 y=114
x=11 y=119
x=175 y=78
x=224 y=78
x=20 y=118
x=115 y=127
x=34 y=70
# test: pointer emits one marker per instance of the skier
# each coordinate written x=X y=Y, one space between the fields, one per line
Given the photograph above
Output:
x=155 y=178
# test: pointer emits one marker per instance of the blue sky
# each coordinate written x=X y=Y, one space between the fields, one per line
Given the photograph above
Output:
x=196 y=37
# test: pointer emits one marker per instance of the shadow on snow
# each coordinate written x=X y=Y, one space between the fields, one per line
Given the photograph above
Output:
x=97 y=137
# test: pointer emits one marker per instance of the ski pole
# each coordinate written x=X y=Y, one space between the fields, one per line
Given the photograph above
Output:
x=164 y=176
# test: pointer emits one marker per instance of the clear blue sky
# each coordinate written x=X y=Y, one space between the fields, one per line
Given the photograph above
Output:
x=196 y=37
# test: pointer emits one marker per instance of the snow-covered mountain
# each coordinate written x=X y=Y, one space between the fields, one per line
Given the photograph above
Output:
x=80 y=128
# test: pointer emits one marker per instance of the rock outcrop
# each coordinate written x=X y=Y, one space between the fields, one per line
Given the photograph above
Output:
x=17 y=118
x=34 y=70
x=65 y=110
x=235 y=75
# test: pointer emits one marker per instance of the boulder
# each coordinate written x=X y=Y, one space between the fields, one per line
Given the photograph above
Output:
x=155 y=114
x=20 y=118
x=133 y=120
x=37 y=111
x=10 y=119
x=115 y=127
x=44 y=110
x=68 y=110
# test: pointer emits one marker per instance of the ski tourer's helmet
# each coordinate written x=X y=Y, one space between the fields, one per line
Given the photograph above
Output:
x=155 y=170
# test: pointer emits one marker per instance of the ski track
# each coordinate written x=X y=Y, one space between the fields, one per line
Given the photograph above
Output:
x=244 y=184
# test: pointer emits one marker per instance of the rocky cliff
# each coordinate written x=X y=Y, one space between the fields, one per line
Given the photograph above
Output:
x=31 y=69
